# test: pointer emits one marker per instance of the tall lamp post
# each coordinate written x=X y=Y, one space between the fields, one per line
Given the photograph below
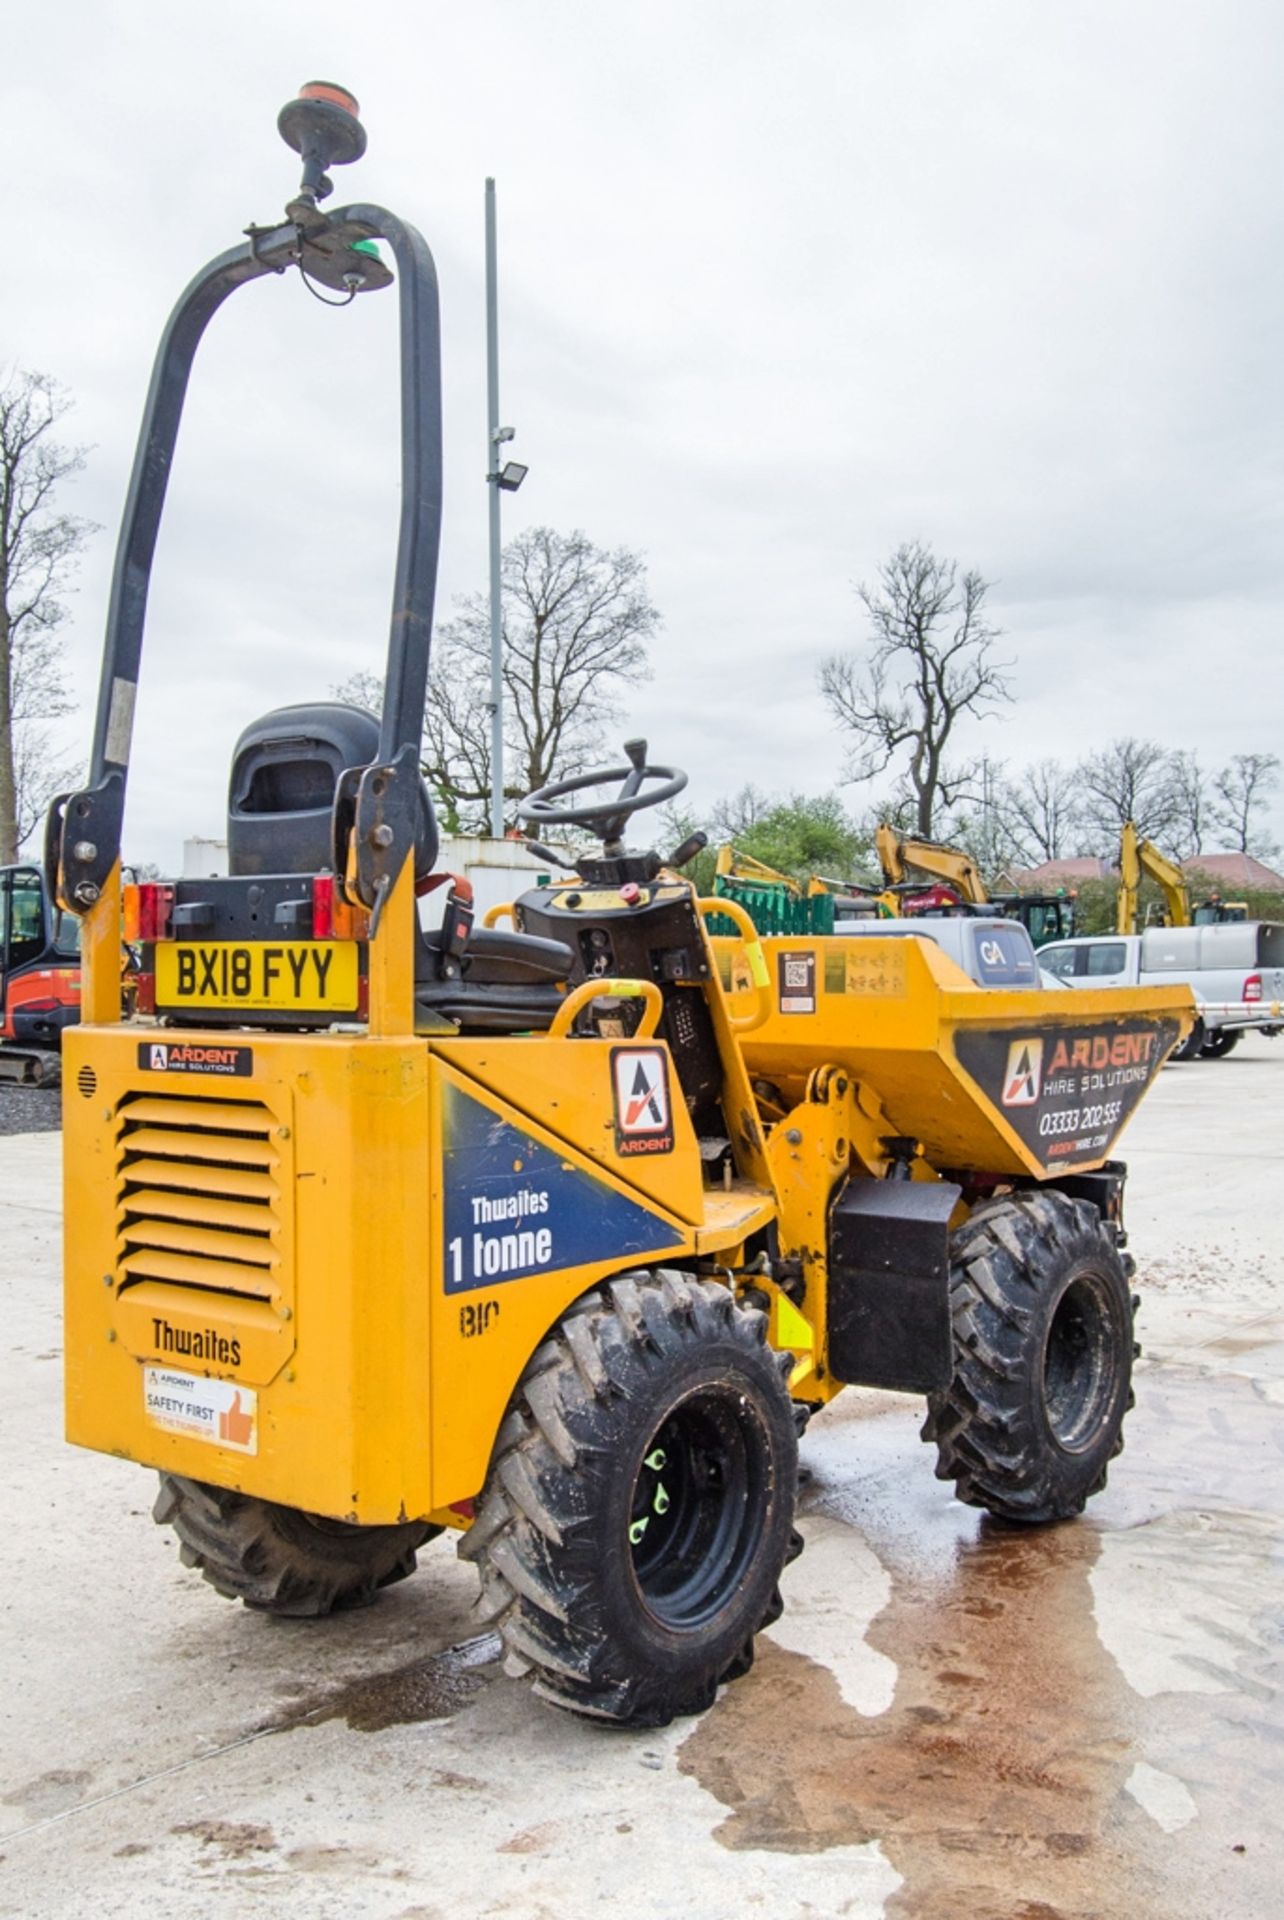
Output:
x=505 y=478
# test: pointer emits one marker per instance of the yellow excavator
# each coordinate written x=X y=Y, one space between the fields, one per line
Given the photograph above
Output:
x=1141 y=859
x=1045 y=916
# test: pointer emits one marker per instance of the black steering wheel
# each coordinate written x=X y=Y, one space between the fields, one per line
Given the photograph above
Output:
x=605 y=817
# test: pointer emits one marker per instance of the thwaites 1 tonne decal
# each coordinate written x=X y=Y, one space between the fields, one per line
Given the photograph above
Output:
x=1068 y=1093
x=515 y=1207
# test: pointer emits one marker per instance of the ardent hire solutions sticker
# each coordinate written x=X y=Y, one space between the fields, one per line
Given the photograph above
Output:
x=219 y=1411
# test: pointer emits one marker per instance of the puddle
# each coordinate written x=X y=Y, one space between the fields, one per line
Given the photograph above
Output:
x=1030 y=1767
x=435 y=1687
x=993 y=1771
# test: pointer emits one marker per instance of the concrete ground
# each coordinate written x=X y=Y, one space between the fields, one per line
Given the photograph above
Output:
x=953 y=1721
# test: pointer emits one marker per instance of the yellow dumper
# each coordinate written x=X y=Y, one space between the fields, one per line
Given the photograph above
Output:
x=554 y=1233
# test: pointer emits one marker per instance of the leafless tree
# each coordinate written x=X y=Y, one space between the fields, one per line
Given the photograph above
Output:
x=576 y=620
x=1127 y=780
x=1194 y=816
x=1243 y=787
x=930 y=664
x=1038 y=813
x=737 y=813
x=38 y=553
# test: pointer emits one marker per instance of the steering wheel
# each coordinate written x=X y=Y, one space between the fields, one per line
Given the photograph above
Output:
x=605 y=817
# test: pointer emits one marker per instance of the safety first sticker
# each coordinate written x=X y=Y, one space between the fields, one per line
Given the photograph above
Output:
x=218 y=1411
x=643 y=1115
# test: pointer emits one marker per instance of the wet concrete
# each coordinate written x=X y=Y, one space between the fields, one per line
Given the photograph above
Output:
x=1019 y=1769
x=951 y=1718
x=431 y=1688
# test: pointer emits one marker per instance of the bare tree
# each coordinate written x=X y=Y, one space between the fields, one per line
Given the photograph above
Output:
x=576 y=620
x=38 y=552
x=1194 y=817
x=1243 y=787
x=738 y=813
x=1128 y=780
x=1039 y=813
x=931 y=664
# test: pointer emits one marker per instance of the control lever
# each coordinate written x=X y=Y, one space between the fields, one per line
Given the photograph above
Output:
x=693 y=844
x=542 y=852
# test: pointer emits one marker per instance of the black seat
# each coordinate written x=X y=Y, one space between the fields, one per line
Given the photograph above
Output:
x=488 y=979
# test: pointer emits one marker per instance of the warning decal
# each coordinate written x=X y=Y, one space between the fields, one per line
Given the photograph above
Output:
x=219 y=1411
x=1023 y=1080
x=643 y=1116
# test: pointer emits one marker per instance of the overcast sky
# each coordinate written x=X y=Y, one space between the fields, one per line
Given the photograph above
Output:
x=781 y=287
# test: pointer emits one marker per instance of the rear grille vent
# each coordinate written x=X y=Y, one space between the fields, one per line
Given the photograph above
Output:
x=198 y=1194
x=87 y=1081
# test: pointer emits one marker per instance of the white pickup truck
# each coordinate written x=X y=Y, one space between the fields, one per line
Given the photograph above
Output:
x=1235 y=971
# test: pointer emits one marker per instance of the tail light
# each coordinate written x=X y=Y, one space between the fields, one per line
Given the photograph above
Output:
x=323 y=906
x=1253 y=987
x=145 y=911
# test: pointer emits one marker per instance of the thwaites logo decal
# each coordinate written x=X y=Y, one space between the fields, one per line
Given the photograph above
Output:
x=514 y=1207
x=1067 y=1094
x=796 y=982
x=643 y=1114
x=180 y=1056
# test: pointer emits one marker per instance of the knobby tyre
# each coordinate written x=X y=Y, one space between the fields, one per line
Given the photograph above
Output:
x=278 y=1559
x=1194 y=1045
x=1043 y=1339
x=638 y=1510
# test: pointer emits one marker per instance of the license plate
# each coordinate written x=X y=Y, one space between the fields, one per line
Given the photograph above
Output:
x=291 y=976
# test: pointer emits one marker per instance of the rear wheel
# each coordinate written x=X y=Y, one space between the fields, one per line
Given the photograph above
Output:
x=1043 y=1358
x=639 y=1506
x=279 y=1559
x=1193 y=1045
x=1219 y=1043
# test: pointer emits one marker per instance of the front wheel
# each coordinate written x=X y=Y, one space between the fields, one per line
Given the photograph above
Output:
x=639 y=1506
x=1043 y=1345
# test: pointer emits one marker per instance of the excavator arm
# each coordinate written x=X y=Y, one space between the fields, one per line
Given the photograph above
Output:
x=957 y=869
x=1138 y=858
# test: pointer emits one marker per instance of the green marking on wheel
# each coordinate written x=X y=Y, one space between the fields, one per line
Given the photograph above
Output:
x=657 y=1461
x=638 y=1528
x=661 y=1502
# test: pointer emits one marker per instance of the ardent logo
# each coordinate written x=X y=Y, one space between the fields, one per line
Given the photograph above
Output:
x=1023 y=1079
x=643 y=1119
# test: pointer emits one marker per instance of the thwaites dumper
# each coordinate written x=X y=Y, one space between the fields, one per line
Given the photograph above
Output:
x=552 y=1233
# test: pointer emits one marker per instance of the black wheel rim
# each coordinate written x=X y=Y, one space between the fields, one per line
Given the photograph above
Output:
x=1079 y=1364
x=699 y=1500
